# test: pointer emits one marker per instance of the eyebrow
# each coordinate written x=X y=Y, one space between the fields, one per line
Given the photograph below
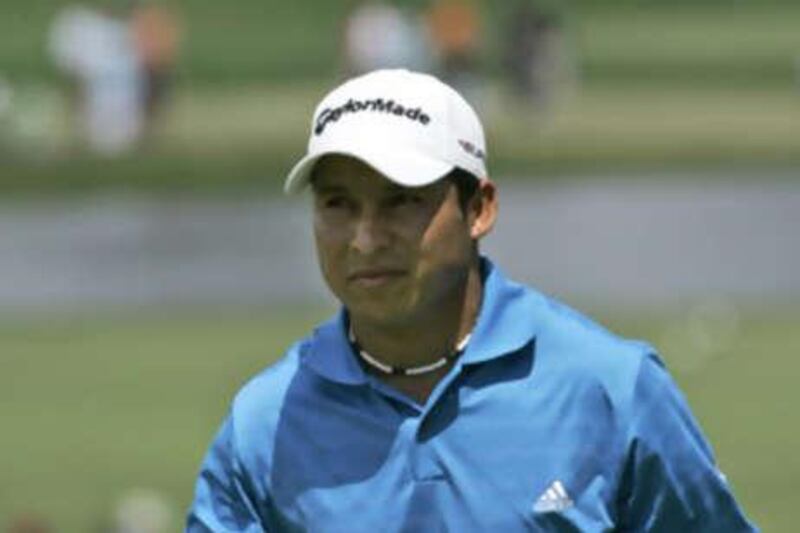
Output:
x=328 y=189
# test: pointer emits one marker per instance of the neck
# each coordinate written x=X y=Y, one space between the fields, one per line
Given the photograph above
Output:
x=428 y=337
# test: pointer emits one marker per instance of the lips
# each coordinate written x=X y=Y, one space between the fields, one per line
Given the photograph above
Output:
x=375 y=276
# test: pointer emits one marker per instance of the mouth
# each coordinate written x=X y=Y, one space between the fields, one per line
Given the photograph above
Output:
x=375 y=277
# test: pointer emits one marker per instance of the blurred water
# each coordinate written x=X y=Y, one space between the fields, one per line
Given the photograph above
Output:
x=655 y=242
x=135 y=251
x=651 y=242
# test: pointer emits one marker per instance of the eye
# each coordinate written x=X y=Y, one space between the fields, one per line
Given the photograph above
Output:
x=402 y=199
x=334 y=202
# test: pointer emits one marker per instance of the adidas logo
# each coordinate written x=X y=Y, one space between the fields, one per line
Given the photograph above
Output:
x=554 y=499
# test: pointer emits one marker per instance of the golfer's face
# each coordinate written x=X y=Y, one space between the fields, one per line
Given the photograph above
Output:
x=389 y=253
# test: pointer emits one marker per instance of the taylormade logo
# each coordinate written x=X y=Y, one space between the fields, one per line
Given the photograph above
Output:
x=378 y=105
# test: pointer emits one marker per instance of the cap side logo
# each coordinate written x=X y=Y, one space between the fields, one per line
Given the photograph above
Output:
x=471 y=149
x=378 y=105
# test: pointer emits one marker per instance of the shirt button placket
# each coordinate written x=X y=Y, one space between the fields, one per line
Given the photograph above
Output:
x=425 y=465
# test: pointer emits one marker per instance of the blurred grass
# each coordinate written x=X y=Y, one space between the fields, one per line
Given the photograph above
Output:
x=224 y=138
x=706 y=41
x=722 y=44
x=702 y=84
x=94 y=406
x=91 y=408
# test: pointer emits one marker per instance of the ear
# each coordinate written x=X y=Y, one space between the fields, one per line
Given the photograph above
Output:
x=482 y=210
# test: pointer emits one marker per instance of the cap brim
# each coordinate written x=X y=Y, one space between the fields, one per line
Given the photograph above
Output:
x=403 y=168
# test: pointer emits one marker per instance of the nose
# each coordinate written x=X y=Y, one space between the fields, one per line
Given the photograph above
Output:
x=370 y=233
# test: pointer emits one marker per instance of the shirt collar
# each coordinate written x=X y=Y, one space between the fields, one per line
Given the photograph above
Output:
x=331 y=354
x=509 y=318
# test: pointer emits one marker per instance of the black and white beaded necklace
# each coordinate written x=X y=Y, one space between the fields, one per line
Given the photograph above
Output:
x=412 y=370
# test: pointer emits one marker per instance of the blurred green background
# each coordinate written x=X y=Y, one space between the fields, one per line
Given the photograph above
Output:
x=94 y=404
x=661 y=84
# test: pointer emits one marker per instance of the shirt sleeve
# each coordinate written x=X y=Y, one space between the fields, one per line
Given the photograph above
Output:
x=222 y=503
x=671 y=482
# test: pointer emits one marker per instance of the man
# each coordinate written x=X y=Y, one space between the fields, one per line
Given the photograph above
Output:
x=444 y=397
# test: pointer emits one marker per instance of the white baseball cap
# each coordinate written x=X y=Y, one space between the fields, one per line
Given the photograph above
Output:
x=410 y=127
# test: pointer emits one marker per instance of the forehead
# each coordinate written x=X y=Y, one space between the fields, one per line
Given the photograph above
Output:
x=338 y=172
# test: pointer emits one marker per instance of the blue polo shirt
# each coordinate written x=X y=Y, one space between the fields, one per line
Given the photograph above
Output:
x=547 y=422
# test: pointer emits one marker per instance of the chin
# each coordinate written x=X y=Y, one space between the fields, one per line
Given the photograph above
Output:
x=386 y=313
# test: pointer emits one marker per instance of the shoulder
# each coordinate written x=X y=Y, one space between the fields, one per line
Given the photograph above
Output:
x=582 y=352
x=573 y=353
x=256 y=407
x=293 y=384
x=568 y=329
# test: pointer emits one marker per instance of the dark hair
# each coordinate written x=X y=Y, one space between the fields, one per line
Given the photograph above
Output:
x=466 y=184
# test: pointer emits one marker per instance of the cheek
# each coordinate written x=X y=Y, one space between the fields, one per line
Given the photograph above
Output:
x=331 y=244
x=328 y=233
x=447 y=239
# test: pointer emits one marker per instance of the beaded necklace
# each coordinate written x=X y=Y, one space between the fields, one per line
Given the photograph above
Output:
x=412 y=370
